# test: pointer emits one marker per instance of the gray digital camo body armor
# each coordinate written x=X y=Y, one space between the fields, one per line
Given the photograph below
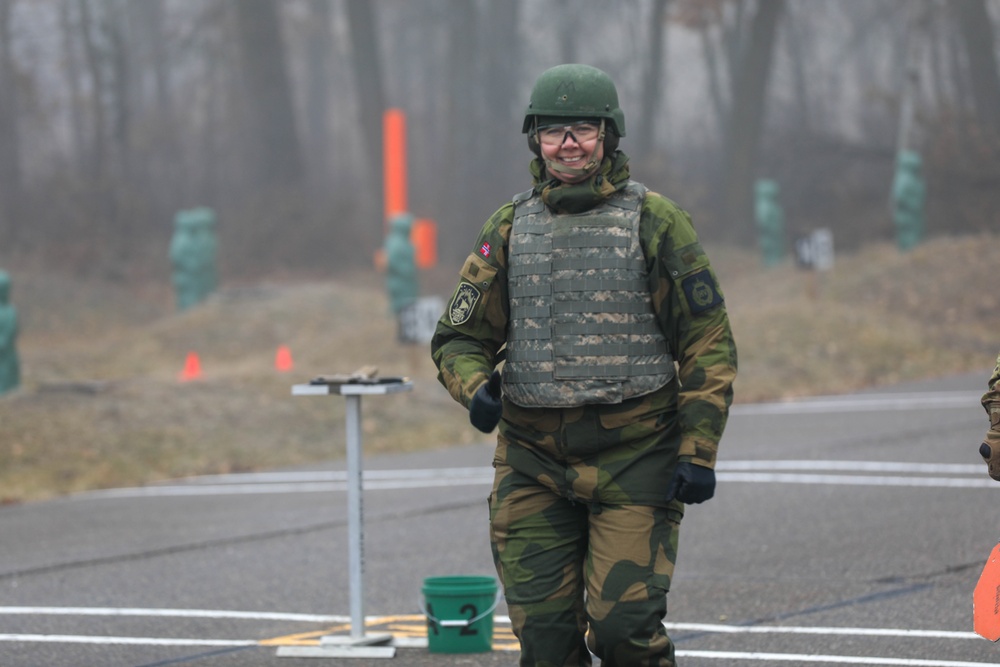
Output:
x=582 y=328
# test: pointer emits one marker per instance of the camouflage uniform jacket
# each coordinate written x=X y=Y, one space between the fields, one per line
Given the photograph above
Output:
x=991 y=401
x=622 y=453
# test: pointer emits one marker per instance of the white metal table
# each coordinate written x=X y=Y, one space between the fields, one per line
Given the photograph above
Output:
x=358 y=644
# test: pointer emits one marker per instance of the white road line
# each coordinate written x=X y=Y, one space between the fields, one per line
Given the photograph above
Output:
x=135 y=641
x=714 y=628
x=864 y=403
x=855 y=466
x=264 y=488
x=711 y=655
x=174 y=613
x=702 y=627
x=338 y=475
x=938 y=475
x=826 y=631
x=466 y=474
x=834 y=659
x=857 y=480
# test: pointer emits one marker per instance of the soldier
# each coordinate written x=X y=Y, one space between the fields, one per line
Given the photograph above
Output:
x=990 y=449
x=615 y=390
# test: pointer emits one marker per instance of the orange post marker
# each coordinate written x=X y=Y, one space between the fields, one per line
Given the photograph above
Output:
x=424 y=237
x=283 y=359
x=394 y=162
x=986 y=599
x=192 y=368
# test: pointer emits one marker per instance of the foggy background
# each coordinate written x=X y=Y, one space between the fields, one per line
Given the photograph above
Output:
x=115 y=114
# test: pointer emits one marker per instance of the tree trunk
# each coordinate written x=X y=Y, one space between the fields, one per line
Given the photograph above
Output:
x=113 y=25
x=153 y=107
x=566 y=29
x=98 y=169
x=977 y=34
x=461 y=111
x=269 y=93
x=10 y=149
x=720 y=105
x=318 y=50
x=652 y=83
x=746 y=120
x=368 y=80
x=796 y=54
x=504 y=106
x=68 y=42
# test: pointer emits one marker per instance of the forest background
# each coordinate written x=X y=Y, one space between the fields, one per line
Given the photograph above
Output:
x=116 y=114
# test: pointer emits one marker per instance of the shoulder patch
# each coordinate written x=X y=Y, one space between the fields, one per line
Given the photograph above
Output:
x=466 y=297
x=701 y=291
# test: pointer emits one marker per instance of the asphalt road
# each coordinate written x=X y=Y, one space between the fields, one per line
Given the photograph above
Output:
x=850 y=530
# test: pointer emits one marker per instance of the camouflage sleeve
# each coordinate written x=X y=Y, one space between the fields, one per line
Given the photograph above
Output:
x=991 y=401
x=473 y=327
x=692 y=313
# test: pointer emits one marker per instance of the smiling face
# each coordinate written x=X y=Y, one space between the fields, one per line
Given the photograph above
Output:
x=567 y=149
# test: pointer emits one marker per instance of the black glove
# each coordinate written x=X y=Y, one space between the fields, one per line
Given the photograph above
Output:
x=991 y=456
x=485 y=408
x=692 y=483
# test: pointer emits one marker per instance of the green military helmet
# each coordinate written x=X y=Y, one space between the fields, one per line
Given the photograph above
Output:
x=575 y=91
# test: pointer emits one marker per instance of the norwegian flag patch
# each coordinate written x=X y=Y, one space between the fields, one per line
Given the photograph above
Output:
x=485 y=249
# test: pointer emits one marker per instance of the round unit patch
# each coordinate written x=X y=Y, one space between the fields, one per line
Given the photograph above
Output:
x=466 y=298
x=701 y=291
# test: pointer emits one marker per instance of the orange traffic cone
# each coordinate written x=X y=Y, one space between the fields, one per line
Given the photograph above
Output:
x=192 y=368
x=283 y=359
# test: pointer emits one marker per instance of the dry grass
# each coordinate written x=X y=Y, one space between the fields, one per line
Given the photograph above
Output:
x=101 y=404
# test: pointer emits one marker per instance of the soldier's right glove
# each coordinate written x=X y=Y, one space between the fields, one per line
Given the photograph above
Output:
x=691 y=484
x=992 y=457
x=486 y=408
x=990 y=449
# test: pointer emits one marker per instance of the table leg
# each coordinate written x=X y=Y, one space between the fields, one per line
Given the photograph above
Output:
x=355 y=544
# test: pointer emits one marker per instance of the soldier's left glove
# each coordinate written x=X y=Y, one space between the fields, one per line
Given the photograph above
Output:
x=990 y=449
x=486 y=408
x=991 y=455
x=691 y=484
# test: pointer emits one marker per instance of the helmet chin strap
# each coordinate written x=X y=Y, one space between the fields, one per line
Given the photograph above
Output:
x=586 y=170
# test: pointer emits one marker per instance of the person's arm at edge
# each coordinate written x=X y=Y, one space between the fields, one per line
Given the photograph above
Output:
x=699 y=335
x=465 y=352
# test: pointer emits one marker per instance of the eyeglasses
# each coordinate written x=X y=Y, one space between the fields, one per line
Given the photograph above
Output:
x=555 y=135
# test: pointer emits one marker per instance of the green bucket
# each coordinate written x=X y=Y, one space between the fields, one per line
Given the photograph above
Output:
x=459 y=613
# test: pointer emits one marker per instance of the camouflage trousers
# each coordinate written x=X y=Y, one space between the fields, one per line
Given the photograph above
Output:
x=580 y=576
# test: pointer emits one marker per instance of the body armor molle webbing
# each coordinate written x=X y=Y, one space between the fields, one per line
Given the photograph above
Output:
x=582 y=325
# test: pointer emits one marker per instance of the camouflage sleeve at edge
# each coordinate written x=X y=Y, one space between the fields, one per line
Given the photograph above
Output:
x=991 y=401
x=692 y=313
x=992 y=395
x=473 y=327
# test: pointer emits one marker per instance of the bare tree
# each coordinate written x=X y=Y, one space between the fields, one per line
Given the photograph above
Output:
x=980 y=49
x=10 y=148
x=746 y=117
x=652 y=79
x=269 y=93
x=95 y=68
x=367 y=62
x=69 y=37
x=499 y=73
x=567 y=29
x=795 y=30
x=129 y=111
x=319 y=47
x=461 y=110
